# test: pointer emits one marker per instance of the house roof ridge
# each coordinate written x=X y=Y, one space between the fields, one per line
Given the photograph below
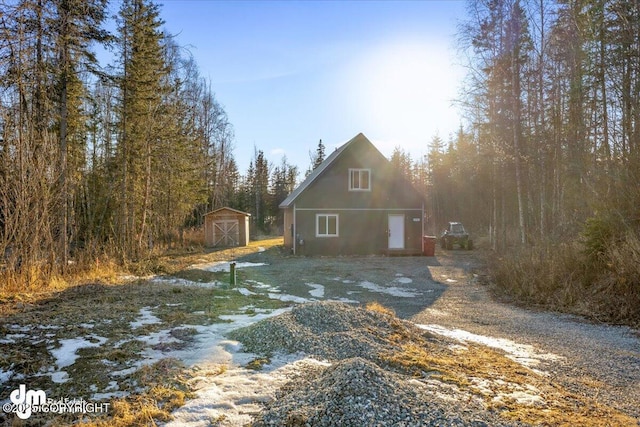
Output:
x=318 y=170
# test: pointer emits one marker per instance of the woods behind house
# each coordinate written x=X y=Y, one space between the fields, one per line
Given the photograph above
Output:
x=118 y=159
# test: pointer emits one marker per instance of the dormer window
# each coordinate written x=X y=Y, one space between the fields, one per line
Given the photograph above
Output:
x=359 y=179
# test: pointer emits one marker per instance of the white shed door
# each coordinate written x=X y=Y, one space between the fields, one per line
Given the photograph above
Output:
x=396 y=231
x=226 y=233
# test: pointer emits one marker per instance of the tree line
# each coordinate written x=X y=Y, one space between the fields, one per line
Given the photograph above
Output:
x=121 y=158
x=114 y=158
x=550 y=148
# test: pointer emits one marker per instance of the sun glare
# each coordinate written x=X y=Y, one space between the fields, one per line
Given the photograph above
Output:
x=403 y=91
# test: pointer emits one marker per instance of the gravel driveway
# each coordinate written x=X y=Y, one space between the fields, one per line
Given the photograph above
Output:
x=598 y=360
x=595 y=360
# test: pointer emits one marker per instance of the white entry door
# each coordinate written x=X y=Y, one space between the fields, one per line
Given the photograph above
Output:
x=396 y=231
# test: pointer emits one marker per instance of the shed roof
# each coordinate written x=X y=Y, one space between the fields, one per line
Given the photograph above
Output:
x=215 y=211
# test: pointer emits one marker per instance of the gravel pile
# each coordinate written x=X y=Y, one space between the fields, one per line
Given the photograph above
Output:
x=353 y=392
x=329 y=330
x=356 y=390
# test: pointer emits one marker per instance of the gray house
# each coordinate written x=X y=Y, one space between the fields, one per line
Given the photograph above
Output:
x=354 y=203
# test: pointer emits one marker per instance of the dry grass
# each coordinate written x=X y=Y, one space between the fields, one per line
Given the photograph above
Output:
x=568 y=278
x=18 y=292
x=379 y=308
x=499 y=382
x=167 y=391
x=39 y=319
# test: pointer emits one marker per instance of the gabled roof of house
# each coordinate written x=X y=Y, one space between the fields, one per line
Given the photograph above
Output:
x=227 y=209
x=321 y=168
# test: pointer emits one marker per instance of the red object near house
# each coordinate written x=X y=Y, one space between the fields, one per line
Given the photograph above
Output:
x=429 y=245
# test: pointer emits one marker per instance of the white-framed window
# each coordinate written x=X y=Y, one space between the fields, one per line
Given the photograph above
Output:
x=326 y=225
x=359 y=179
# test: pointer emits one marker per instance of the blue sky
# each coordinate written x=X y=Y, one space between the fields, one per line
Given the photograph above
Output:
x=292 y=72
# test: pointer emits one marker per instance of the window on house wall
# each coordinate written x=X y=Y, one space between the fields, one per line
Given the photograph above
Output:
x=326 y=225
x=359 y=179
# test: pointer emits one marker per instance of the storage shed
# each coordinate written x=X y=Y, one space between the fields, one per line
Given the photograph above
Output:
x=225 y=227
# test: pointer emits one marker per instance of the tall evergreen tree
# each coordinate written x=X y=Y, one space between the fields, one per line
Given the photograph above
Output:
x=316 y=157
x=142 y=87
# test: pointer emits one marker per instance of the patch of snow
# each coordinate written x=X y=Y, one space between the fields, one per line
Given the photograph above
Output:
x=11 y=338
x=261 y=249
x=287 y=298
x=393 y=290
x=86 y=325
x=124 y=372
x=160 y=337
x=245 y=291
x=168 y=280
x=146 y=318
x=59 y=377
x=451 y=281
x=238 y=393
x=340 y=279
x=224 y=265
x=209 y=344
x=66 y=354
x=255 y=309
x=257 y=284
x=5 y=376
x=111 y=391
x=177 y=304
x=403 y=280
x=317 y=291
x=524 y=354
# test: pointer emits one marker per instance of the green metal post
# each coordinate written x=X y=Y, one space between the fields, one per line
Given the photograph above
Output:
x=232 y=274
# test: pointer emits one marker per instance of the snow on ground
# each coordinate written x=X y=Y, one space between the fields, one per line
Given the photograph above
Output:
x=209 y=346
x=5 y=376
x=11 y=338
x=146 y=318
x=317 y=291
x=224 y=265
x=392 y=290
x=524 y=354
x=67 y=353
x=288 y=298
x=169 y=280
x=238 y=393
